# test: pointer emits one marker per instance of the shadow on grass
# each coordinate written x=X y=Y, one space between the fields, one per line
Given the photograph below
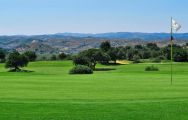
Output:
x=21 y=71
x=114 y=64
x=104 y=69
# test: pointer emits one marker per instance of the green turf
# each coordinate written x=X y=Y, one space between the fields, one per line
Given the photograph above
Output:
x=127 y=93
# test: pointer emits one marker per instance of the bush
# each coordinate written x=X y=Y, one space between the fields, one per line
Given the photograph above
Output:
x=151 y=68
x=81 y=69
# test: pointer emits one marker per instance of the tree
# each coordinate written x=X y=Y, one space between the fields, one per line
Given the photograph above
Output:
x=101 y=57
x=16 y=60
x=121 y=54
x=90 y=54
x=152 y=46
x=155 y=54
x=130 y=54
x=2 y=56
x=146 y=54
x=138 y=47
x=128 y=47
x=81 y=60
x=105 y=46
x=30 y=55
x=113 y=53
x=53 y=57
x=94 y=56
x=166 y=51
x=136 y=59
x=62 y=56
x=181 y=56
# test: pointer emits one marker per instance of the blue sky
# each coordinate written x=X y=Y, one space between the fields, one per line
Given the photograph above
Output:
x=90 y=16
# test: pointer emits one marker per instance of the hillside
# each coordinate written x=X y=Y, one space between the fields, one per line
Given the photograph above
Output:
x=75 y=42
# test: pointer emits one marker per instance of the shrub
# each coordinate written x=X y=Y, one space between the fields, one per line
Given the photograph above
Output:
x=151 y=68
x=81 y=69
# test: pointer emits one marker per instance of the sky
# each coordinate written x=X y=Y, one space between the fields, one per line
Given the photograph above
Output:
x=32 y=17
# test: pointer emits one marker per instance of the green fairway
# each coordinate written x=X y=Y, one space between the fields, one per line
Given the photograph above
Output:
x=126 y=93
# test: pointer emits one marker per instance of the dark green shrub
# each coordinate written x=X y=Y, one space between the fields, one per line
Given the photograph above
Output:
x=151 y=68
x=81 y=69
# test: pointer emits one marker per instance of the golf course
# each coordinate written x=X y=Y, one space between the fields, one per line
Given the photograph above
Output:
x=113 y=92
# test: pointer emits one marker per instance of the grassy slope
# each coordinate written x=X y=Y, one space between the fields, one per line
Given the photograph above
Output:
x=128 y=92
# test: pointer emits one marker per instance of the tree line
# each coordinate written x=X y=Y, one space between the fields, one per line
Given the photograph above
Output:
x=135 y=53
x=15 y=60
x=106 y=54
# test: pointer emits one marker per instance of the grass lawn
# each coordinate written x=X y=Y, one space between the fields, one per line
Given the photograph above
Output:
x=126 y=93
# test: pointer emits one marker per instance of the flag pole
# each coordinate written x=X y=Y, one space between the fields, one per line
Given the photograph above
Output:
x=171 y=42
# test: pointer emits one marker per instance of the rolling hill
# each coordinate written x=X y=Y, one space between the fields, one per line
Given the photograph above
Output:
x=75 y=42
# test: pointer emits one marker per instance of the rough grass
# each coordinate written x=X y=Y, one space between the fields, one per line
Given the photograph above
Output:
x=127 y=92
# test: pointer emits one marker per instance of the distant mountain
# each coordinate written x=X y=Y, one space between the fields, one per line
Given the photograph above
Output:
x=129 y=35
x=75 y=42
x=115 y=35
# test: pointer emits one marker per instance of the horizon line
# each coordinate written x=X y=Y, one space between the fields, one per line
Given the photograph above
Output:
x=87 y=33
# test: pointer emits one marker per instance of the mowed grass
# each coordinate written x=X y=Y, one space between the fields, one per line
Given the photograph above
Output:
x=126 y=93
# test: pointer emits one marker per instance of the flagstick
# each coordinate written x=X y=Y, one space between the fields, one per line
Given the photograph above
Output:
x=171 y=51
